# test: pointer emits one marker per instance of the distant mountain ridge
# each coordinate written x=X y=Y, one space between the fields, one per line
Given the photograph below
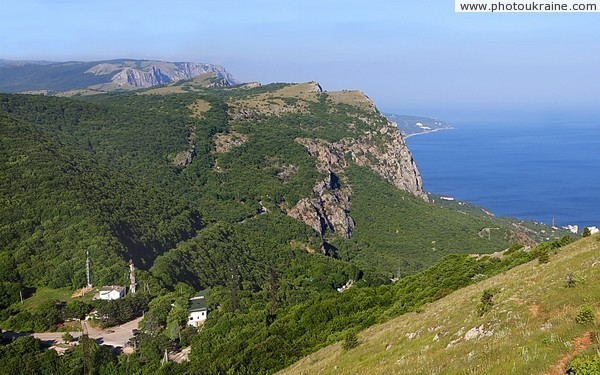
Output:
x=413 y=125
x=22 y=76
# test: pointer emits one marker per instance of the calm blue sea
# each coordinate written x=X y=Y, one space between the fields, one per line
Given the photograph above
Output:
x=530 y=171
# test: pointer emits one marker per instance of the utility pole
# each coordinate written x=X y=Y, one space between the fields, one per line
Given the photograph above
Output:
x=132 y=283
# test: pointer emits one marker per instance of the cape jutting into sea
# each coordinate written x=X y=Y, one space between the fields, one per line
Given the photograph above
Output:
x=531 y=171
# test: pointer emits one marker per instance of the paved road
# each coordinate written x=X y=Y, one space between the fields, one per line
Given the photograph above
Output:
x=118 y=335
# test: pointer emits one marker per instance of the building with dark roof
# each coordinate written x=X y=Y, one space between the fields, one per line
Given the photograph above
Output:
x=197 y=308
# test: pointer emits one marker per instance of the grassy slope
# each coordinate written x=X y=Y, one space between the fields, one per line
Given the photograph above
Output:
x=532 y=320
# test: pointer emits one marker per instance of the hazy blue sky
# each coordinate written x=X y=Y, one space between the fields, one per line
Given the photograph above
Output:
x=410 y=56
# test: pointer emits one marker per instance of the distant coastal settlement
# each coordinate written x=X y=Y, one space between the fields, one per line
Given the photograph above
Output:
x=575 y=229
x=427 y=131
x=414 y=125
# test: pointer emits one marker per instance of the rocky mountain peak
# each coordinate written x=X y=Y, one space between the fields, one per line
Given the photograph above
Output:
x=151 y=73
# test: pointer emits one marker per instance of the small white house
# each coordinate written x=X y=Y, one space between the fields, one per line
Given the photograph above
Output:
x=111 y=292
x=198 y=311
x=572 y=228
x=593 y=230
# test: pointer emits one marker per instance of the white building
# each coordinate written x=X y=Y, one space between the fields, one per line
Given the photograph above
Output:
x=111 y=292
x=198 y=311
x=594 y=230
x=572 y=228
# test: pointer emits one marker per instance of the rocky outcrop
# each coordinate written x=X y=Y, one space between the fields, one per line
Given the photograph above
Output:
x=328 y=209
x=391 y=159
x=186 y=157
x=384 y=152
x=139 y=78
x=226 y=141
x=286 y=171
x=315 y=86
x=329 y=156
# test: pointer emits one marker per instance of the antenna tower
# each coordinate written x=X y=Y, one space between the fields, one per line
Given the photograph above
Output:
x=132 y=283
x=87 y=270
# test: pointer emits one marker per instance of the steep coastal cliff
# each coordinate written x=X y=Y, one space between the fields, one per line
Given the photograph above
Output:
x=366 y=140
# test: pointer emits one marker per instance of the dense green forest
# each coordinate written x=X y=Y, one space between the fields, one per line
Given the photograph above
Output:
x=97 y=174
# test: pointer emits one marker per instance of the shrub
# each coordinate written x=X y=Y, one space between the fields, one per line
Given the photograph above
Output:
x=487 y=301
x=570 y=281
x=584 y=366
x=513 y=248
x=350 y=340
x=585 y=314
x=586 y=232
x=544 y=257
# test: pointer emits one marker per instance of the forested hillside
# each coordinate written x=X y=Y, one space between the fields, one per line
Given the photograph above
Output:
x=273 y=196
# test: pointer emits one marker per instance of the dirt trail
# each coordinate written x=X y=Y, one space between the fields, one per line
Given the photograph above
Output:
x=580 y=343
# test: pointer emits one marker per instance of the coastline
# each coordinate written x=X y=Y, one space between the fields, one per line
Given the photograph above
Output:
x=426 y=132
x=507 y=169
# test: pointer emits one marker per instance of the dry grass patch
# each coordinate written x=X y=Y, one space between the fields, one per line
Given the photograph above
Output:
x=295 y=99
x=290 y=99
x=199 y=107
x=354 y=98
x=164 y=90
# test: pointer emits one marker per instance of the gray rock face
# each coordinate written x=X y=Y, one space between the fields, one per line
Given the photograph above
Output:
x=152 y=73
x=394 y=162
x=186 y=157
x=138 y=78
x=104 y=75
x=328 y=208
x=384 y=152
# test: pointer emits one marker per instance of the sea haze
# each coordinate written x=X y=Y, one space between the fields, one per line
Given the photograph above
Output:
x=532 y=171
